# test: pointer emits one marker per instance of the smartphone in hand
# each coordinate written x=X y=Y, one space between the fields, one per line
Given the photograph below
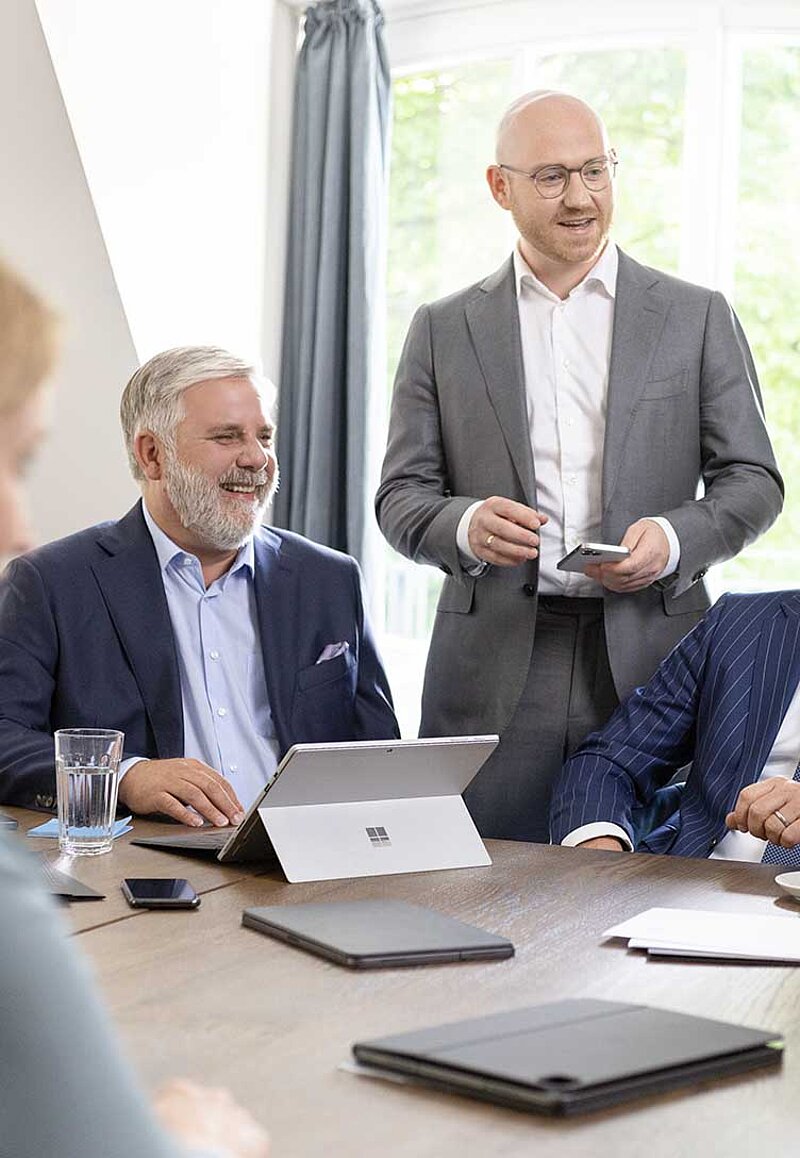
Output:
x=588 y=554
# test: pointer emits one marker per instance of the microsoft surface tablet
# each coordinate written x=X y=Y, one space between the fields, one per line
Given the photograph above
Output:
x=361 y=808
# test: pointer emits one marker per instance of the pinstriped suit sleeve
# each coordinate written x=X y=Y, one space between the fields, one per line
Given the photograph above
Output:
x=647 y=739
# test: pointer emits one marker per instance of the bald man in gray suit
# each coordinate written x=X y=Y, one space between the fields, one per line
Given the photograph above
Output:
x=572 y=396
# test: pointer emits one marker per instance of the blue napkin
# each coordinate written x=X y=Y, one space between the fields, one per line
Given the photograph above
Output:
x=50 y=827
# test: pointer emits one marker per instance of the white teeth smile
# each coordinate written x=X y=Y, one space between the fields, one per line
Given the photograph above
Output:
x=240 y=490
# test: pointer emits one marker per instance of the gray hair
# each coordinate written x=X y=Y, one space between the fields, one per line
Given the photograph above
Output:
x=153 y=398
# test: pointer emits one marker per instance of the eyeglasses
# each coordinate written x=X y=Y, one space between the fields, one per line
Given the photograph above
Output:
x=552 y=180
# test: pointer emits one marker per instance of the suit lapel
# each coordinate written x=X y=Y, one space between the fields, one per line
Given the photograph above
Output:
x=130 y=583
x=776 y=674
x=493 y=322
x=639 y=316
x=274 y=579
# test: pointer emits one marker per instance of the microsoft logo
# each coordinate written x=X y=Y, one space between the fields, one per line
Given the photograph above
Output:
x=378 y=836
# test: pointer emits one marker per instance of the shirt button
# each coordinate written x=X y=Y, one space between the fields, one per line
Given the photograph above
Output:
x=234 y=768
x=222 y=711
x=214 y=654
x=186 y=561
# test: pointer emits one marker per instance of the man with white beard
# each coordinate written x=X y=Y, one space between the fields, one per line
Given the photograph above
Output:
x=214 y=643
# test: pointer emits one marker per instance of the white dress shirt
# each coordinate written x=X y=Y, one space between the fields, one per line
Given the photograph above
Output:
x=566 y=350
x=782 y=761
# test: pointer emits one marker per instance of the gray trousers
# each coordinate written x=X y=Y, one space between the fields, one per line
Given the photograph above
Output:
x=569 y=692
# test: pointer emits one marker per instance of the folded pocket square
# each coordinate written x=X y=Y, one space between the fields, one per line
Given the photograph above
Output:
x=50 y=827
x=331 y=650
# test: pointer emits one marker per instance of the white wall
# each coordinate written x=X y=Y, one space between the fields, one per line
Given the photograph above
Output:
x=144 y=151
x=168 y=102
x=48 y=228
x=285 y=26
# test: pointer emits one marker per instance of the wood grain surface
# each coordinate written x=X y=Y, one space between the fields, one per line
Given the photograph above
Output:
x=195 y=993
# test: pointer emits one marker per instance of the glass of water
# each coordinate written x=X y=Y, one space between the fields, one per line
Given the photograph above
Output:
x=87 y=767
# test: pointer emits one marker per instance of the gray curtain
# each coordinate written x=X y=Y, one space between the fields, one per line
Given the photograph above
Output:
x=333 y=332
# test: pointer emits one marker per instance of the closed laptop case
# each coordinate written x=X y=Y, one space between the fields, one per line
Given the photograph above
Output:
x=572 y=1056
x=374 y=934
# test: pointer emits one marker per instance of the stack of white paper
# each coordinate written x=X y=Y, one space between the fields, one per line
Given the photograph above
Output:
x=697 y=933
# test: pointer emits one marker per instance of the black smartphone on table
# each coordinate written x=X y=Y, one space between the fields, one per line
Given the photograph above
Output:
x=159 y=893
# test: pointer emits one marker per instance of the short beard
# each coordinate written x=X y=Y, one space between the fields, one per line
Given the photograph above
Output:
x=200 y=508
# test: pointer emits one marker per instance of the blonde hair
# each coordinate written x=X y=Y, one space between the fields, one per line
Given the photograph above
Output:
x=28 y=339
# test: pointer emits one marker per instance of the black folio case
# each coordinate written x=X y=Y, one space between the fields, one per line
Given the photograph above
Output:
x=572 y=1056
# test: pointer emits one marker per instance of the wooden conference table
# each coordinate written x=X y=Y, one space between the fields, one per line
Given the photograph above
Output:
x=194 y=993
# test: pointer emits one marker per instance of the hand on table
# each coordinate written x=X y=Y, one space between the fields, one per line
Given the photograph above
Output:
x=208 y=1118
x=167 y=785
x=756 y=811
x=649 y=555
x=504 y=532
x=609 y=843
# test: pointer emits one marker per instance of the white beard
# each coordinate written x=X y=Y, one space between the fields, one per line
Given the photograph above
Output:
x=224 y=524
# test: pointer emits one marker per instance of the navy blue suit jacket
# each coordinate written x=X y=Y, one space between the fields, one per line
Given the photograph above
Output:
x=718 y=701
x=86 y=641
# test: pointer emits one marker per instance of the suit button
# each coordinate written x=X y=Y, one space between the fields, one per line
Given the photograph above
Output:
x=528 y=588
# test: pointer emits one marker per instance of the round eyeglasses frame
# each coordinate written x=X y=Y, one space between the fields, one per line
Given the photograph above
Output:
x=594 y=185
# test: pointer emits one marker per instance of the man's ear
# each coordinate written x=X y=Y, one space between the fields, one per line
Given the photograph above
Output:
x=149 y=453
x=498 y=183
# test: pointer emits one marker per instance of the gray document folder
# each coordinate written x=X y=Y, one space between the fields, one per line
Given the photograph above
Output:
x=572 y=1056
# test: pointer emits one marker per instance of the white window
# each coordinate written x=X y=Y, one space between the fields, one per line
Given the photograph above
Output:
x=701 y=102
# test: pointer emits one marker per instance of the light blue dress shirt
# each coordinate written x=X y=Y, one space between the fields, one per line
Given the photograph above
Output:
x=227 y=721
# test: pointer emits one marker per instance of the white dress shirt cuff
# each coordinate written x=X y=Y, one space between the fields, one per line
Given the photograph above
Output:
x=674 y=545
x=126 y=765
x=470 y=562
x=598 y=828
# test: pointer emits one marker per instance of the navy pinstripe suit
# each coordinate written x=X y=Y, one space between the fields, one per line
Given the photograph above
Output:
x=718 y=701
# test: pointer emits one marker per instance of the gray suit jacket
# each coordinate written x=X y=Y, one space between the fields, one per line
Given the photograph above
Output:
x=683 y=407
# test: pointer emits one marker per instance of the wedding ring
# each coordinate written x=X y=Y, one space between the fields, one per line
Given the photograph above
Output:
x=781 y=818
x=489 y=540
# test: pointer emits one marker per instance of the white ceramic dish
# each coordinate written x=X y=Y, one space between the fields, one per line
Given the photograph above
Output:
x=790 y=883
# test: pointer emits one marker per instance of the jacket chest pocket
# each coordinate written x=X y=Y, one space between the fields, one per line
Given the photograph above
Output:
x=661 y=388
x=324 y=701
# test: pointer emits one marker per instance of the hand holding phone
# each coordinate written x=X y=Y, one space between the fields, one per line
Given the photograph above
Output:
x=590 y=555
x=159 y=893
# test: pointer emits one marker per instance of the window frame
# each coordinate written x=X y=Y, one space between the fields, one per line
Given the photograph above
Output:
x=714 y=37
